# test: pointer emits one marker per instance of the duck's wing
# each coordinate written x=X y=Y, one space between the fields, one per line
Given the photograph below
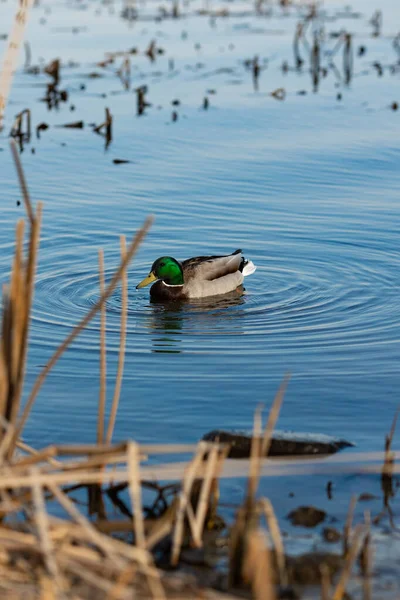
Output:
x=209 y=268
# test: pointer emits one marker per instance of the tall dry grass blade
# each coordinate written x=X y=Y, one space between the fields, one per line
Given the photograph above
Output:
x=17 y=298
x=21 y=294
x=325 y=582
x=257 y=567
x=276 y=536
x=255 y=458
x=366 y=559
x=260 y=448
x=204 y=498
x=133 y=459
x=122 y=344
x=348 y=524
x=29 y=287
x=184 y=500
x=81 y=325
x=5 y=349
x=273 y=415
x=11 y=55
x=103 y=355
x=357 y=539
x=42 y=524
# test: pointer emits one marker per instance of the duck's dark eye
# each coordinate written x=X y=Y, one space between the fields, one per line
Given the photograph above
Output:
x=162 y=264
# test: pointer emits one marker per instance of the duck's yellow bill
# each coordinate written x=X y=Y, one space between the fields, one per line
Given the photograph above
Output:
x=147 y=280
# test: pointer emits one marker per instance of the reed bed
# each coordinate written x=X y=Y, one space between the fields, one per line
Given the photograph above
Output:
x=113 y=546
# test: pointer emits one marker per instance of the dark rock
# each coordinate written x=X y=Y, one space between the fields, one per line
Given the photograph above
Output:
x=306 y=569
x=331 y=535
x=306 y=516
x=282 y=444
x=365 y=497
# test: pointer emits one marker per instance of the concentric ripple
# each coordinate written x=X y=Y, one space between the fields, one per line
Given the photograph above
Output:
x=321 y=295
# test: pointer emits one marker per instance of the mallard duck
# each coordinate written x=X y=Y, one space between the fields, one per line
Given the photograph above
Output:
x=197 y=277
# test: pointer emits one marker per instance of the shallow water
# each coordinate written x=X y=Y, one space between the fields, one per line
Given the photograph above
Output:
x=308 y=188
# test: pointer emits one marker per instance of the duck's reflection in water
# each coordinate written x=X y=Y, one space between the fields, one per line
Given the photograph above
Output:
x=166 y=321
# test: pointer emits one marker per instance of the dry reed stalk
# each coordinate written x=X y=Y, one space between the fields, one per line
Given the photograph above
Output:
x=122 y=344
x=22 y=182
x=96 y=461
x=184 y=503
x=276 y=536
x=38 y=457
x=389 y=455
x=42 y=525
x=348 y=524
x=273 y=416
x=81 y=325
x=120 y=548
x=263 y=447
x=325 y=582
x=133 y=459
x=17 y=298
x=90 y=449
x=255 y=459
x=103 y=355
x=96 y=538
x=46 y=588
x=163 y=526
x=366 y=559
x=257 y=567
x=29 y=450
x=78 y=570
x=22 y=284
x=120 y=587
x=204 y=498
x=11 y=55
x=357 y=539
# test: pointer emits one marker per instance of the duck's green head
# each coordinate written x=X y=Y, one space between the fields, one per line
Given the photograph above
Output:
x=165 y=268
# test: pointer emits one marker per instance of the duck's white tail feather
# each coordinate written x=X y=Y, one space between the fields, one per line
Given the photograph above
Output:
x=249 y=268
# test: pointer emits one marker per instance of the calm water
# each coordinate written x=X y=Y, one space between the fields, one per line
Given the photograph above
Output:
x=308 y=188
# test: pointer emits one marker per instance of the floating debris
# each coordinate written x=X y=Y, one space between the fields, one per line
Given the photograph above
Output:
x=141 y=99
x=174 y=116
x=124 y=73
x=394 y=106
x=315 y=63
x=282 y=443
x=206 y=103
x=53 y=69
x=376 y=22
x=120 y=161
x=331 y=535
x=41 y=127
x=105 y=129
x=379 y=68
x=256 y=72
x=279 y=94
x=74 y=125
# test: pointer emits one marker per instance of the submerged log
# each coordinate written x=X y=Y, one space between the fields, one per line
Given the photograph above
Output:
x=282 y=443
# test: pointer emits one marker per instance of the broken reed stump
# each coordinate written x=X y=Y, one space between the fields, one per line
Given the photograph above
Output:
x=21 y=129
x=348 y=58
x=105 y=128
